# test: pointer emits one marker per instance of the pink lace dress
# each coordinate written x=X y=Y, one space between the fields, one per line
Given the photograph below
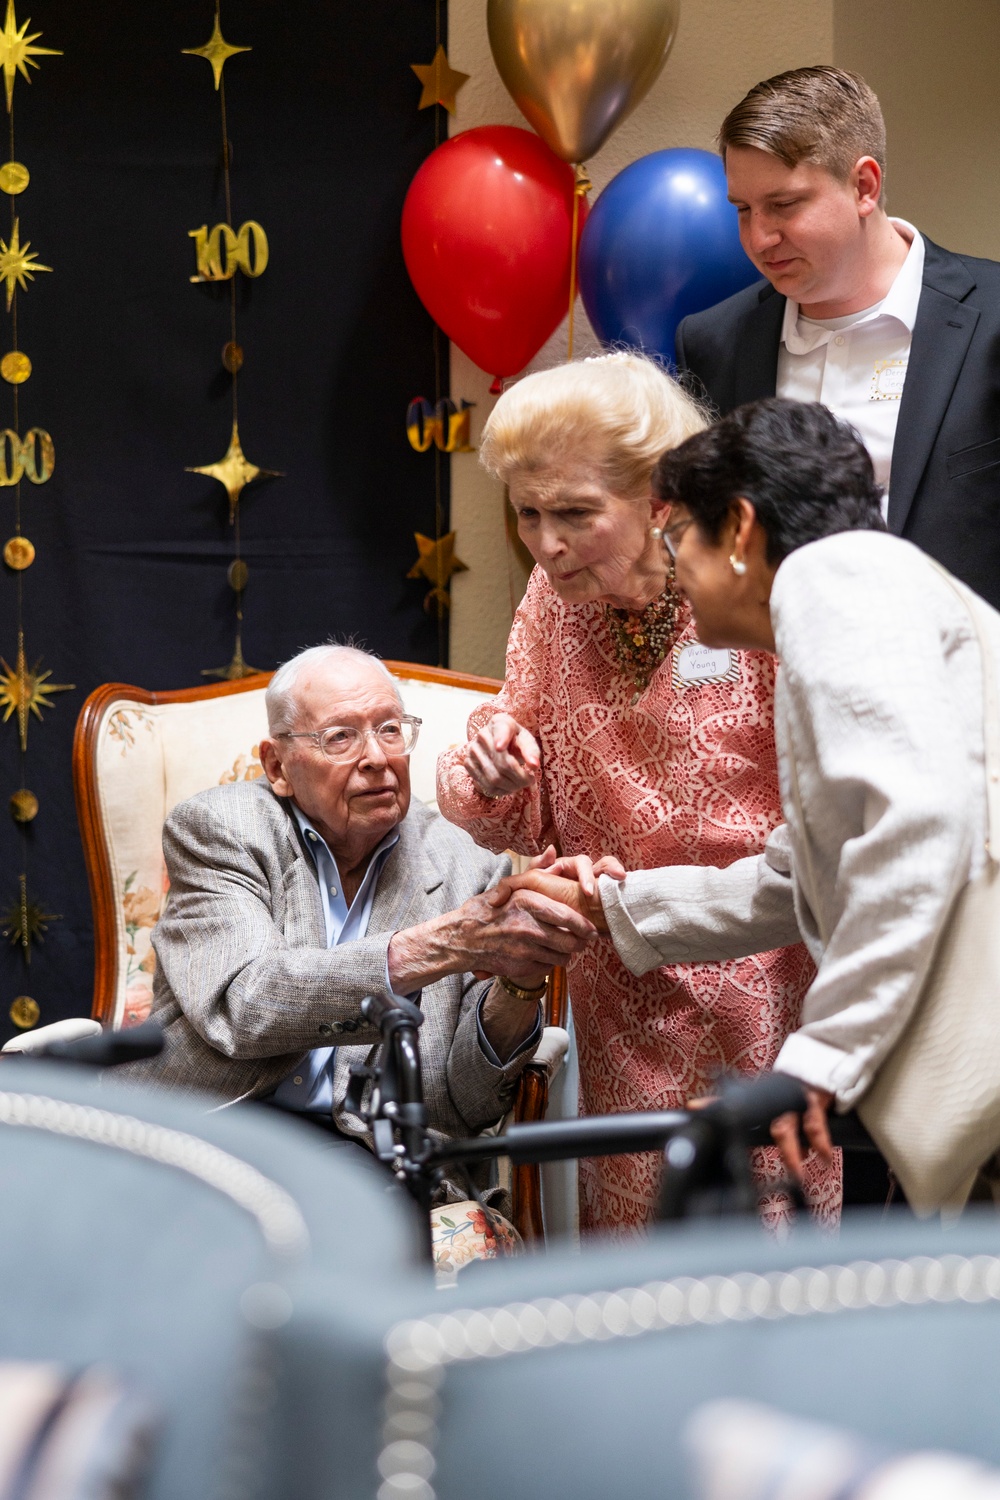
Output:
x=684 y=775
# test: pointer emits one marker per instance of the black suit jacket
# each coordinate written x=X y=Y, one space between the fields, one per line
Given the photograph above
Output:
x=944 y=488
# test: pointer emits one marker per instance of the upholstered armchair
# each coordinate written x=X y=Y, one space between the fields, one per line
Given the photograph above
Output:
x=137 y=754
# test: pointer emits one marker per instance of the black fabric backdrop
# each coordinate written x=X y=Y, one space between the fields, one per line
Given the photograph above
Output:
x=122 y=138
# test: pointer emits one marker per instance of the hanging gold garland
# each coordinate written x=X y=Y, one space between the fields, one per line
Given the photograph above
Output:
x=219 y=254
x=443 y=426
x=24 y=691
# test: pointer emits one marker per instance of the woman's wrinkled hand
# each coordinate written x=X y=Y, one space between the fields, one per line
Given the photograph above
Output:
x=815 y=1127
x=503 y=757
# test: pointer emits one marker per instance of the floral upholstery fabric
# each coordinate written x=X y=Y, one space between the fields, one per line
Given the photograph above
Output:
x=461 y=1233
x=150 y=757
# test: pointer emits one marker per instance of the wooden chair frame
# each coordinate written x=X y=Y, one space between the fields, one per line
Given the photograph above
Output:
x=533 y=1090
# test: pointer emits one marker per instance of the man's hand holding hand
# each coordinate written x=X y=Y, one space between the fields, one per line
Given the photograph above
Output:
x=522 y=935
x=571 y=881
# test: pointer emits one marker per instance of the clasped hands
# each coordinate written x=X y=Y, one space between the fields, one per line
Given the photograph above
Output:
x=504 y=758
x=569 y=880
x=573 y=883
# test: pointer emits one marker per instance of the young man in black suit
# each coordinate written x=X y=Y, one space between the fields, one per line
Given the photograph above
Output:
x=897 y=336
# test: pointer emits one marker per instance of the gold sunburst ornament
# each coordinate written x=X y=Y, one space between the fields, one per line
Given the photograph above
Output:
x=236 y=669
x=234 y=471
x=216 y=51
x=23 y=692
x=26 y=921
x=17 y=266
x=17 y=52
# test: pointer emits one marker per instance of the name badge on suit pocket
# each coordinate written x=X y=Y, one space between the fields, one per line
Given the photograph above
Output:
x=888 y=378
x=695 y=663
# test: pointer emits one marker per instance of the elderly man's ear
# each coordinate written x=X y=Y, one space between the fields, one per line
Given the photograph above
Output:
x=274 y=770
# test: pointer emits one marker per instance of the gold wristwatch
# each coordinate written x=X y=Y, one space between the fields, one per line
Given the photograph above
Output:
x=522 y=994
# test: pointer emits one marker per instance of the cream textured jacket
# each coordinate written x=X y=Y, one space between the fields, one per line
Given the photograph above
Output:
x=879 y=726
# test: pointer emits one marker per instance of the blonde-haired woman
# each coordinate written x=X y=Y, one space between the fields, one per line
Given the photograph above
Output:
x=616 y=734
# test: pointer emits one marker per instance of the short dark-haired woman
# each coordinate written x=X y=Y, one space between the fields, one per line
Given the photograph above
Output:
x=779 y=545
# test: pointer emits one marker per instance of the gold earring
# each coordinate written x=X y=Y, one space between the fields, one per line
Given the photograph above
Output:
x=737 y=564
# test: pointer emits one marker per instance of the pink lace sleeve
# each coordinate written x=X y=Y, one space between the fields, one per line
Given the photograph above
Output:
x=522 y=821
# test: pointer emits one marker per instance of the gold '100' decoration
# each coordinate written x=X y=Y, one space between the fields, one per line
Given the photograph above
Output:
x=221 y=253
x=25 y=691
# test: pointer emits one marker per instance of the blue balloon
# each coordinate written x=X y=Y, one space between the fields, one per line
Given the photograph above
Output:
x=661 y=241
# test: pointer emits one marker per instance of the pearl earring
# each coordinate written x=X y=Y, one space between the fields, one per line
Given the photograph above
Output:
x=656 y=532
x=737 y=564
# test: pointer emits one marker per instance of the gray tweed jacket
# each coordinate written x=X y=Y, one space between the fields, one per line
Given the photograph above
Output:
x=245 y=984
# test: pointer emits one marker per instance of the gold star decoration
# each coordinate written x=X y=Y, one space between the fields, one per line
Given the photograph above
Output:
x=216 y=50
x=26 y=921
x=16 y=264
x=23 y=692
x=16 y=52
x=234 y=471
x=437 y=562
x=440 y=80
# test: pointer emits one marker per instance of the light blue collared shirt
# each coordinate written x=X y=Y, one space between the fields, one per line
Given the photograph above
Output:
x=310 y=1088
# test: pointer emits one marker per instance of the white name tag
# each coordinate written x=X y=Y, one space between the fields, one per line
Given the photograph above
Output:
x=888 y=377
x=698 y=663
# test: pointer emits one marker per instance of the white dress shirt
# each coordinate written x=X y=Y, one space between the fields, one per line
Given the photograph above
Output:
x=856 y=365
x=310 y=1088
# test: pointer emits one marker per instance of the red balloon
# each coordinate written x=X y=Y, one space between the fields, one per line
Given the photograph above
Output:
x=487 y=230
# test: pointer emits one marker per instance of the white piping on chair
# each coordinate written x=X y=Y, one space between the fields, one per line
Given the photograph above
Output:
x=274 y=1210
x=420 y=1350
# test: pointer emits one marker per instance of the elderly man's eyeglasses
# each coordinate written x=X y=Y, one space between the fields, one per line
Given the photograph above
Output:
x=343 y=742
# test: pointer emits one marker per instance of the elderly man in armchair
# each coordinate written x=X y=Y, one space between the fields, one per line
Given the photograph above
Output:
x=294 y=897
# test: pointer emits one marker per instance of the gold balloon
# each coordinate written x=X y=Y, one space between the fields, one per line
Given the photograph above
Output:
x=576 y=68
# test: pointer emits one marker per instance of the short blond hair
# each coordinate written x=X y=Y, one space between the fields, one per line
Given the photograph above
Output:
x=623 y=406
x=822 y=115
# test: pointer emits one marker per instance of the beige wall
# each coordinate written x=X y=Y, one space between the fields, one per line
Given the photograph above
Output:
x=936 y=70
x=722 y=48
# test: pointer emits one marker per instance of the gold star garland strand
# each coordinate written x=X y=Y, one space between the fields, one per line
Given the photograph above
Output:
x=437 y=562
x=17 y=267
x=216 y=51
x=233 y=470
x=26 y=922
x=17 y=54
x=440 y=86
x=440 y=80
x=24 y=691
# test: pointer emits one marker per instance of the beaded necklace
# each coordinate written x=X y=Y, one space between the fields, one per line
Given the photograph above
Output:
x=642 y=638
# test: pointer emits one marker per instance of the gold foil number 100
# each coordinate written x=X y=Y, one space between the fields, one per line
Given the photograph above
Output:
x=222 y=251
x=34 y=458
